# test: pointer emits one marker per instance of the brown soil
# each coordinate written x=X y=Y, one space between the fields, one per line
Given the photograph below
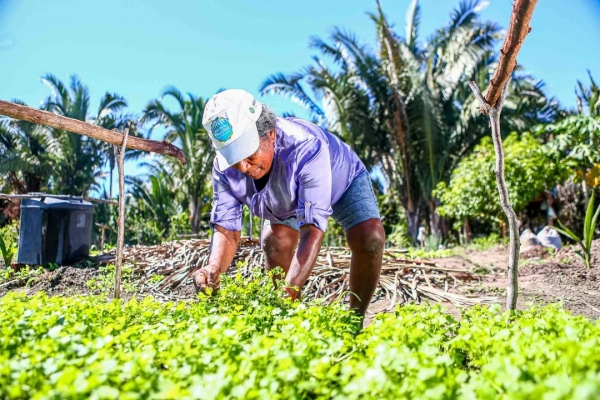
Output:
x=67 y=280
x=544 y=277
x=539 y=252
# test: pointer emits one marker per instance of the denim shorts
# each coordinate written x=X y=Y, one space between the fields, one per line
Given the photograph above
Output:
x=357 y=204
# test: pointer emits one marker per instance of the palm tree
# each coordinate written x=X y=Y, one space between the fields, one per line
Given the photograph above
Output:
x=444 y=118
x=28 y=154
x=111 y=116
x=588 y=97
x=157 y=195
x=184 y=127
x=79 y=169
x=414 y=113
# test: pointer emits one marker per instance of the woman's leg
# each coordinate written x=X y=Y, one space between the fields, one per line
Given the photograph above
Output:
x=358 y=214
x=367 y=241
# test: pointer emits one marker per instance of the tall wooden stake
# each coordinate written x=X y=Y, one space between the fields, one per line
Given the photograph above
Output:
x=492 y=105
x=513 y=226
x=102 y=238
x=120 y=156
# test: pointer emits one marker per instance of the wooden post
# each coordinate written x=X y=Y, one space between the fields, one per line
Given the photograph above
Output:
x=120 y=156
x=103 y=229
x=82 y=128
x=517 y=31
x=492 y=104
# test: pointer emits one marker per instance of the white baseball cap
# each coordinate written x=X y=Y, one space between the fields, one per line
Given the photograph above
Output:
x=230 y=119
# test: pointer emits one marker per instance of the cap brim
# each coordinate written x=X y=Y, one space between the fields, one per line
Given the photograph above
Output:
x=242 y=147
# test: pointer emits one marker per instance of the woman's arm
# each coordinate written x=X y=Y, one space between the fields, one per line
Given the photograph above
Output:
x=224 y=246
x=304 y=260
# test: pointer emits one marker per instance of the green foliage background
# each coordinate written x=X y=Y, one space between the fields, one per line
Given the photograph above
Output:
x=403 y=105
x=530 y=169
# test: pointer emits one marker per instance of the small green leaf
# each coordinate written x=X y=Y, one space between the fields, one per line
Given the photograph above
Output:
x=593 y=228
x=587 y=225
x=568 y=233
x=5 y=255
x=105 y=392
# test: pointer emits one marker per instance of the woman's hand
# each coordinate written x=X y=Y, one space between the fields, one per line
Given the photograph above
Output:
x=224 y=245
x=207 y=277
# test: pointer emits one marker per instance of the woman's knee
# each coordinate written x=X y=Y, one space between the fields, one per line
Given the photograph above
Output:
x=368 y=237
x=279 y=239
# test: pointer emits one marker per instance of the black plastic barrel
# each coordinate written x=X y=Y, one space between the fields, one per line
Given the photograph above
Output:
x=54 y=230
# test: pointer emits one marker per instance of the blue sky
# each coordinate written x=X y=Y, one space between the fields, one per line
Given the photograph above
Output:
x=136 y=48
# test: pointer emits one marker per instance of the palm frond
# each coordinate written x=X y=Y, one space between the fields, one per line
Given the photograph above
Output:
x=59 y=92
x=413 y=18
x=81 y=99
x=290 y=87
x=172 y=91
x=111 y=103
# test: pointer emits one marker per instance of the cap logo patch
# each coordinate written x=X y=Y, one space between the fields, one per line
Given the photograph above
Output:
x=221 y=129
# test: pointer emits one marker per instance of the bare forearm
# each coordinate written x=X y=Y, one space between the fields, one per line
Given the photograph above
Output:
x=224 y=246
x=306 y=256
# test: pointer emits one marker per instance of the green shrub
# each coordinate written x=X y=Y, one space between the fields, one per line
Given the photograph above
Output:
x=180 y=224
x=9 y=242
x=486 y=242
x=531 y=168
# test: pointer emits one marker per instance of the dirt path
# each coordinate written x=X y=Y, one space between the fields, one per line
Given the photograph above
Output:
x=543 y=277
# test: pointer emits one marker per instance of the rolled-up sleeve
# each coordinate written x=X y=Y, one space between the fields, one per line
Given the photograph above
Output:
x=226 y=208
x=314 y=185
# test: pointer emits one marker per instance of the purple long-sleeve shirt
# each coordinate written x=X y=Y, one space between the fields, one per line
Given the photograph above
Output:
x=311 y=170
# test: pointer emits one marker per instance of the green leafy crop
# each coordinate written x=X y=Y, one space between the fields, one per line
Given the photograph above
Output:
x=250 y=342
x=105 y=281
x=26 y=274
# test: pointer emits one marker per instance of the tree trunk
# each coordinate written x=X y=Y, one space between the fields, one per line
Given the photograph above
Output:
x=434 y=218
x=399 y=123
x=196 y=216
x=110 y=184
x=444 y=227
x=467 y=231
x=111 y=165
x=513 y=226
x=413 y=222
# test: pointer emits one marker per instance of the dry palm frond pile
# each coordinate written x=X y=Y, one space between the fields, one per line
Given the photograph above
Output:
x=402 y=280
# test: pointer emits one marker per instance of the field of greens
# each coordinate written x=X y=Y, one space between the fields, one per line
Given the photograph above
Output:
x=249 y=341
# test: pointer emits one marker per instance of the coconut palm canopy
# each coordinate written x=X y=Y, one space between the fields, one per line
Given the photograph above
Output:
x=406 y=105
